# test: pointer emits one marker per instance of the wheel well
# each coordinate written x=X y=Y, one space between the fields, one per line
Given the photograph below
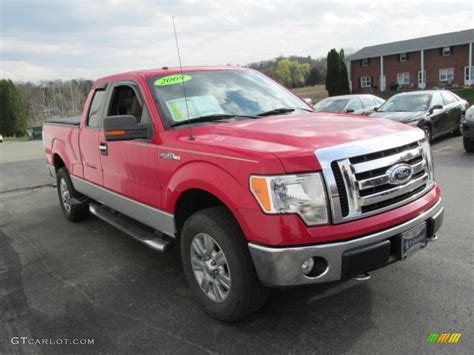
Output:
x=58 y=162
x=192 y=201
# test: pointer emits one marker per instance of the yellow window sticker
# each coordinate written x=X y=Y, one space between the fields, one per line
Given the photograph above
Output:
x=172 y=80
x=197 y=106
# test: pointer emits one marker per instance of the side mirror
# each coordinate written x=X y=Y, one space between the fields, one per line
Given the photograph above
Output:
x=124 y=128
x=349 y=110
x=435 y=107
x=376 y=108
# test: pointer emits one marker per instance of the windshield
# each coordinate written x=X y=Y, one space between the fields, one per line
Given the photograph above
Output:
x=219 y=92
x=406 y=103
x=332 y=105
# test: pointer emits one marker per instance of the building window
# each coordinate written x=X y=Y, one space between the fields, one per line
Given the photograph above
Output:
x=446 y=51
x=403 y=78
x=365 y=62
x=402 y=57
x=365 y=81
x=446 y=74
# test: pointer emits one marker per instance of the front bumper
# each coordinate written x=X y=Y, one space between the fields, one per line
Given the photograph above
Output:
x=280 y=267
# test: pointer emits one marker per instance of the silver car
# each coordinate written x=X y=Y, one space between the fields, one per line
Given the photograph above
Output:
x=355 y=104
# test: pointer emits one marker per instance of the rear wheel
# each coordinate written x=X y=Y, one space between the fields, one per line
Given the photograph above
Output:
x=218 y=265
x=458 y=131
x=73 y=211
x=468 y=145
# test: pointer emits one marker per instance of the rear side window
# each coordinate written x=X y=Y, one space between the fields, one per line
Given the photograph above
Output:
x=368 y=102
x=94 y=119
x=355 y=105
x=448 y=98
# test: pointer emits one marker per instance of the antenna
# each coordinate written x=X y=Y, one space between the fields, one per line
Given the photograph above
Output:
x=191 y=138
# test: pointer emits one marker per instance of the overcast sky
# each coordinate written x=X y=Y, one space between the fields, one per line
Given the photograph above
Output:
x=88 y=39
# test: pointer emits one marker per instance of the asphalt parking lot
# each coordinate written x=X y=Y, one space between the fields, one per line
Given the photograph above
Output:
x=87 y=280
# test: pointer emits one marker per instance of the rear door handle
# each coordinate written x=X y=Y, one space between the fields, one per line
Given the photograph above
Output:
x=103 y=148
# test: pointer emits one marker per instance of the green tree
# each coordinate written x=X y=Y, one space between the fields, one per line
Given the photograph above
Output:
x=290 y=73
x=314 y=77
x=337 y=82
x=13 y=118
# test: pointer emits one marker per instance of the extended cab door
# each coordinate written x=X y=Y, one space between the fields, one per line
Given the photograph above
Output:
x=130 y=167
x=89 y=137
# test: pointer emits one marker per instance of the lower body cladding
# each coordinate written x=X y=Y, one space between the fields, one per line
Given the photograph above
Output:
x=313 y=264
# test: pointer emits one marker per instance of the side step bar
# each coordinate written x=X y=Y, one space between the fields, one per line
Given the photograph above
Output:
x=137 y=230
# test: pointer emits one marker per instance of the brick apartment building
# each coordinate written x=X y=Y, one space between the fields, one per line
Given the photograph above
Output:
x=421 y=63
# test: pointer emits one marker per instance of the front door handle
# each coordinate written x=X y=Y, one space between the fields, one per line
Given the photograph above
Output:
x=103 y=148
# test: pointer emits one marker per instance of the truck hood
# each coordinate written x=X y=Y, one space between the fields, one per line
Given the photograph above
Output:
x=403 y=117
x=294 y=138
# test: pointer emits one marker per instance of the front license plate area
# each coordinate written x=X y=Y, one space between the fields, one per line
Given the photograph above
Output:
x=413 y=240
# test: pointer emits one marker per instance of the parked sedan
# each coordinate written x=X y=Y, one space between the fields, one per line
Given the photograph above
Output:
x=355 y=104
x=468 y=130
x=436 y=112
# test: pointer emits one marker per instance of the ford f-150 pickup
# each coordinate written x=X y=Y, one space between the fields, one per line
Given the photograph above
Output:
x=255 y=188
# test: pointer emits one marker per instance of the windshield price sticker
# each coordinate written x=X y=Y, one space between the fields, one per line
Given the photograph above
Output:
x=197 y=105
x=172 y=80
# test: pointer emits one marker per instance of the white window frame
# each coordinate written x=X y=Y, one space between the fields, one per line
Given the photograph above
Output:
x=444 y=74
x=468 y=80
x=365 y=62
x=403 y=57
x=422 y=79
x=365 y=81
x=446 y=51
x=405 y=77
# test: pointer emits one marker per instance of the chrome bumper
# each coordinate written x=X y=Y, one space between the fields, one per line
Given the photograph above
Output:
x=282 y=266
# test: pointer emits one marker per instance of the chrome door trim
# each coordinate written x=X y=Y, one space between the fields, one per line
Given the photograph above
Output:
x=150 y=216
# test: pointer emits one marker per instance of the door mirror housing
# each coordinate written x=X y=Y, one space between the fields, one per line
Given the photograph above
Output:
x=435 y=107
x=124 y=128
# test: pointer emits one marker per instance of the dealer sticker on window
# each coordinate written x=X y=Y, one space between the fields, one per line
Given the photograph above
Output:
x=197 y=106
x=172 y=80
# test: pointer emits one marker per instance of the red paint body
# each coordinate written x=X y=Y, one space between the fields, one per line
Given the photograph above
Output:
x=220 y=160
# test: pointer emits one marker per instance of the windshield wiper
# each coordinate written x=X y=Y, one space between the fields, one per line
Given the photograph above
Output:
x=277 y=111
x=208 y=118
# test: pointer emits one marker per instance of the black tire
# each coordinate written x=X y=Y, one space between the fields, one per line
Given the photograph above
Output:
x=73 y=212
x=468 y=145
x=458 y=131
x=246 y=294
x=427 y=131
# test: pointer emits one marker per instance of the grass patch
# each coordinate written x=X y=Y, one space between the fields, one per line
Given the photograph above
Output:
x=15 y=139
x=315 y=93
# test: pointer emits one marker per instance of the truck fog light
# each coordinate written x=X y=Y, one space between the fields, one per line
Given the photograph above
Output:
x=307 y=266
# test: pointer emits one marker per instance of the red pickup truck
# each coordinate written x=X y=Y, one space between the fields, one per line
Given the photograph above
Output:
x=255 y=188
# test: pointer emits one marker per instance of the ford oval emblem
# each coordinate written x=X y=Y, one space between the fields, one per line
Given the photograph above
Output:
x=400 y=173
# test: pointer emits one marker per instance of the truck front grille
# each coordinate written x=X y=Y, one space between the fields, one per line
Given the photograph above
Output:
x=360 y=185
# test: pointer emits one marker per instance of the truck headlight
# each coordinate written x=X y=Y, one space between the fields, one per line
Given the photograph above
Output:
x=303 y=195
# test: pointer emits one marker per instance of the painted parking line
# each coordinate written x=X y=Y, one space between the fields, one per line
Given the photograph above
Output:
x=444 y=148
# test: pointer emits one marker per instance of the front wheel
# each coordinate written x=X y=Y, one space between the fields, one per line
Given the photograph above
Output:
x=218 y=265
x=468 y=145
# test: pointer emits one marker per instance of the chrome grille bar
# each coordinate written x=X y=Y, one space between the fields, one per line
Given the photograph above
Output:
x=359 y=178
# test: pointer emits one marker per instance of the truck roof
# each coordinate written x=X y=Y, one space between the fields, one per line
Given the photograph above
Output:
x=146 y=73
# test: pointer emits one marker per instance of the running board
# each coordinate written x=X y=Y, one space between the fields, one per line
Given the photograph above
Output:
x=144 y=234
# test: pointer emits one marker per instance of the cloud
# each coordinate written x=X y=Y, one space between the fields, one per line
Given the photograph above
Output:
x=64 y=39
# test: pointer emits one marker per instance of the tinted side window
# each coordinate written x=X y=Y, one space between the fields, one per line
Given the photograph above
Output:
x=94 y=119
x=126 y=102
